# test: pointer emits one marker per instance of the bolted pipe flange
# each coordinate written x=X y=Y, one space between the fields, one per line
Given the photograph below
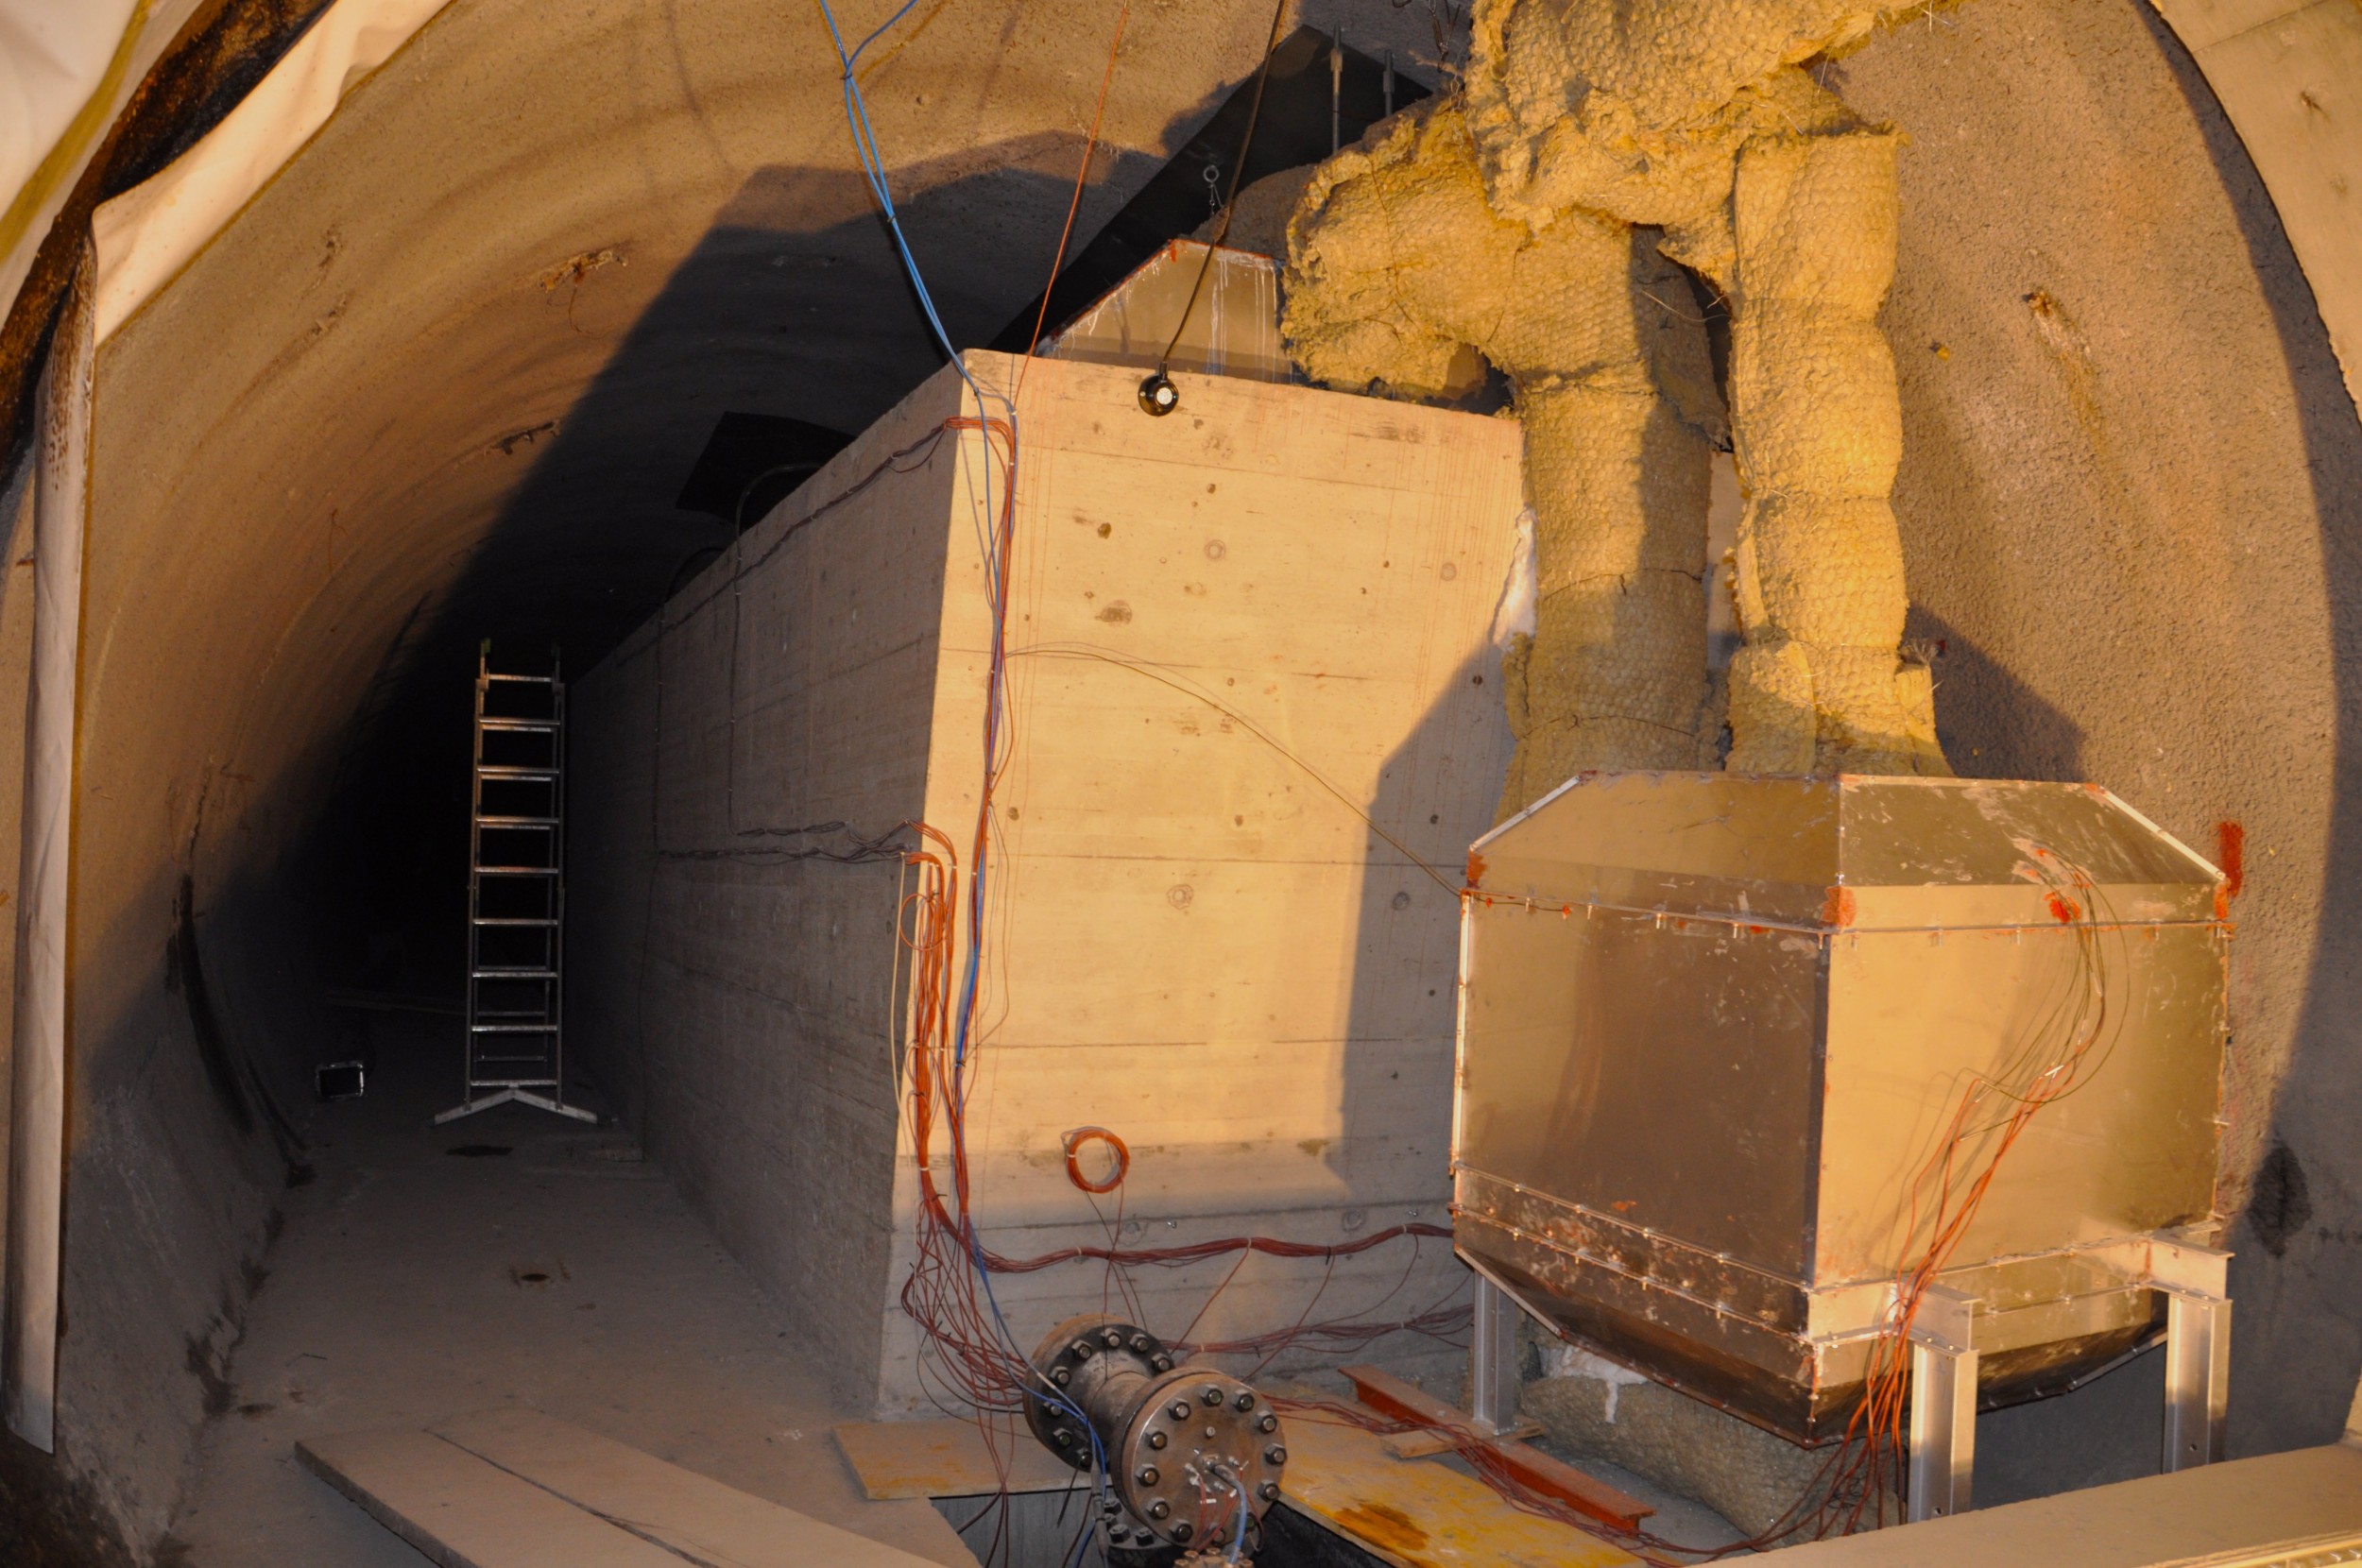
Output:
x=1088 y=1370
x=1186 y=1449
x=1194 y=1446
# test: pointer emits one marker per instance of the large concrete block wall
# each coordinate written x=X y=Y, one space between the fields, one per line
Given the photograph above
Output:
x=1239 y=637
x=735 y=998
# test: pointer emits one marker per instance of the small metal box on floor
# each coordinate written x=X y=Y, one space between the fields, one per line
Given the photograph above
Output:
x=1716 y=1033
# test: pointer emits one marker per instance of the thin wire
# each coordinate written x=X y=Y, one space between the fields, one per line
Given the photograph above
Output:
x=1139 y=667
x=1238 y=171
x=1082 y=175
x=996 y=562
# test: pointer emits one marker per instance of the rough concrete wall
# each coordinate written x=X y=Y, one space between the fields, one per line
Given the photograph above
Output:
x=2130 y=492
x=734 y=999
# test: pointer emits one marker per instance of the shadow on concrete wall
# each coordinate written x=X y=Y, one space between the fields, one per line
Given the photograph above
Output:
x=1991 y=724
x=792 y=305
x=1436 y=795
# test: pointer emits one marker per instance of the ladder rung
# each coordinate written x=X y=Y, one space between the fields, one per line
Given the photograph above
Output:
x=532 y=1033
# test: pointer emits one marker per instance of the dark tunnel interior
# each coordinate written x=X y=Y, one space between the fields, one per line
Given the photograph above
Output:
x=378 y=895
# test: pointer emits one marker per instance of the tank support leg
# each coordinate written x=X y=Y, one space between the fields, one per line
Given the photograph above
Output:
x=1943 y=1405
x=1493 y=1358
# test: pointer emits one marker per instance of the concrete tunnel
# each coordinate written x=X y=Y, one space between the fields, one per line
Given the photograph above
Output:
x=442 y=376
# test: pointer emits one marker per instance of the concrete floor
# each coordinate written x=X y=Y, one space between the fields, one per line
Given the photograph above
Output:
x=411 y=1284
x=421 y=1276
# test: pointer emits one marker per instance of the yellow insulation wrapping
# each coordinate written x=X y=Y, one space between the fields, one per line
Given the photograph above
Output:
x=1818 y=429
x=1615 y=480
x=1536 y=217
x=1813 y=402
x=1770 y=683
x=1636 y=109
x=1828 y=572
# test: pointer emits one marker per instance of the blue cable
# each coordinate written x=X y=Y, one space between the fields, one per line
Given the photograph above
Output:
x=873 y=170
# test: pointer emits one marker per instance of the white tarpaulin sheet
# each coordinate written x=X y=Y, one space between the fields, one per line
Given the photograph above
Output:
x=62 y=88
x=53 y=54
x=67 y=67
x=149 y=233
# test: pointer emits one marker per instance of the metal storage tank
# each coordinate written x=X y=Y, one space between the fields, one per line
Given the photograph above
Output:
x=1729 y=1046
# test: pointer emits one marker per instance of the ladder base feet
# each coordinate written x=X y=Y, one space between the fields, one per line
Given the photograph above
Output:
x=521 y=1097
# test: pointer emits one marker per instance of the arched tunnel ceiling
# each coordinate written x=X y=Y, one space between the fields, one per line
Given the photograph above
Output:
x=470 y=342
x=485 y=322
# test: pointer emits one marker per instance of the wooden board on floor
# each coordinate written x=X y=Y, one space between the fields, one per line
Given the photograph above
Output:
x=695 y=1518
x=1423 y=1514
x=464 y=1513
x=1426 y=1446
x=946 y=1459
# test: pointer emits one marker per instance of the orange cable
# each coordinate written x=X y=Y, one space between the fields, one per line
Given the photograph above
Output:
x=1081 y=176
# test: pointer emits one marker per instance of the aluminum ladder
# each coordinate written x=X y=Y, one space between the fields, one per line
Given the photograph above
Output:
x=517 y=894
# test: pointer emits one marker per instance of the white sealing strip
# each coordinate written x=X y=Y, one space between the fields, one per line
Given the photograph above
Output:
x=28 y=1351
x=1521 y=594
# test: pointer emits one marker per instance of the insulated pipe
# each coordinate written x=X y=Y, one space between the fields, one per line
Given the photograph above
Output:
x=1818 y=424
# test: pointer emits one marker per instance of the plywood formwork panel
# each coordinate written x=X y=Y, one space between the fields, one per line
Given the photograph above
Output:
x=1253 y=723
x=1249 y=644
